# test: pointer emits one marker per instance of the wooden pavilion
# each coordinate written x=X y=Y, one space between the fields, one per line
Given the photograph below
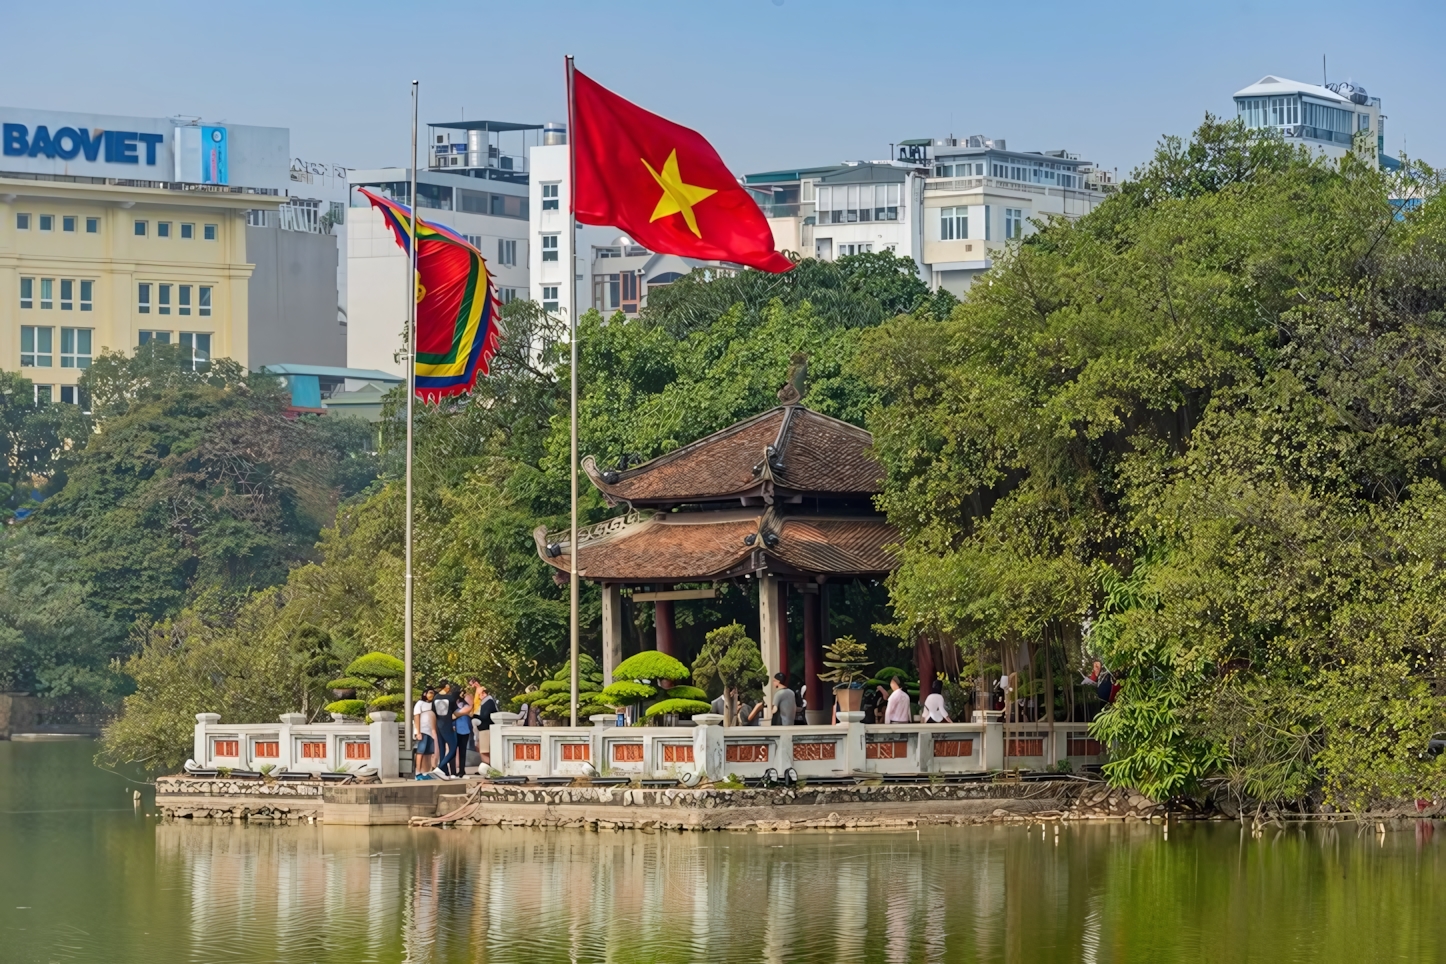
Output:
x=784 y=498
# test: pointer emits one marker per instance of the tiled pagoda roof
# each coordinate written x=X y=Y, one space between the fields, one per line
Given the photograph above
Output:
x=787 y=450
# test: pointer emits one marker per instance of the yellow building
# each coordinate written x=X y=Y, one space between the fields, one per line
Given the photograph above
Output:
x=87 y=267
x=117 y=231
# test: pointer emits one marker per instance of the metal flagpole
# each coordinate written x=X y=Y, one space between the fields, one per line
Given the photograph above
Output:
x=411 y=395
x=572 y=320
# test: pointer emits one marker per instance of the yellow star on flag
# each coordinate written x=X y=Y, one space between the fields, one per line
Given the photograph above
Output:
x=678 y=198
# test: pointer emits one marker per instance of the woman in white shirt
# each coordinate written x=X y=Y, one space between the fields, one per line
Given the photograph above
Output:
x=934 y=711
x=424 y=733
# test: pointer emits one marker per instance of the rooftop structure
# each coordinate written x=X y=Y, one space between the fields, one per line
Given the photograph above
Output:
x=1332 y=118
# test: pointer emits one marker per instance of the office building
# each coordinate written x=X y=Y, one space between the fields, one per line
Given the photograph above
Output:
x=624 y=274
x=1330 y=119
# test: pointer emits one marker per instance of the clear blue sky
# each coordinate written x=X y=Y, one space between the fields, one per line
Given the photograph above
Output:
x=773 y=83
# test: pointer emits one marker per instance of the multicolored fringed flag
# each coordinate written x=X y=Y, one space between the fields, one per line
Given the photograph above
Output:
x=457 y=309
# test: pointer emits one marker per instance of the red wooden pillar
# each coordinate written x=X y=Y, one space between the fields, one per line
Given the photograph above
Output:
x=663 y=623
x=815 y=693
x=924 y=658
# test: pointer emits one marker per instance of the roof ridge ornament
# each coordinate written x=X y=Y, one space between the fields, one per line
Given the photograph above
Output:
x=792 y=391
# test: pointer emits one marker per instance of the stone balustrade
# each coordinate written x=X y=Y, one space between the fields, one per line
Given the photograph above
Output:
x=851 y=747
x=298 y=746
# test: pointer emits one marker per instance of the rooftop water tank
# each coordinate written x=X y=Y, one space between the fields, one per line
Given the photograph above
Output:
x=554 y=133
x=476 y=148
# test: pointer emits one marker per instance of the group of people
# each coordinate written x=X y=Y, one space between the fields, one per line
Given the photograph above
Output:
x=444 y=722
x=789 y=705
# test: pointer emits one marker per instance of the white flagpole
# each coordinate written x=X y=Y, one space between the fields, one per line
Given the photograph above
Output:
x=572 y=318
x=411 y=394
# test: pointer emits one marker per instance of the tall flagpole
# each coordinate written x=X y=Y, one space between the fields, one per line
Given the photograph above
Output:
x=411 y=394
x=572 y=317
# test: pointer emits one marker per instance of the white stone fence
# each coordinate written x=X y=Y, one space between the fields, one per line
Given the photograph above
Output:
x=295 y=745
x=852 y=747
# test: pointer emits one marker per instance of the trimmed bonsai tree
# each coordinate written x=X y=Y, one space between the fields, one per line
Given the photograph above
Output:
x=733 y=658
x=846 y=659
x=639 y=679
x=376 y=679
x=553 y=697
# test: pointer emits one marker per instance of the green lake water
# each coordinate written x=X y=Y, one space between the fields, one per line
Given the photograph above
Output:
x=84 y=876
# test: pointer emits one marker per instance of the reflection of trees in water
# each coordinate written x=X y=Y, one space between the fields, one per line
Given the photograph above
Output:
x=357 y=895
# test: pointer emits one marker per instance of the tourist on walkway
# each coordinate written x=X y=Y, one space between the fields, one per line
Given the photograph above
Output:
x=785 y=703
x=483 y=706
x=424 y=734
x=445 y=705
x=934 y=710
x=897 y=710
x=462 y=722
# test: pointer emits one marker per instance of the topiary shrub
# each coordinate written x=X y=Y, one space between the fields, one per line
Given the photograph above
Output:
x=389 y=702
x=681 y=707
x=347 y=707
x=377 y=666
x=684 y=692
x=652 y=665
x=845 y=658
x=626 y=693
x=350 y=683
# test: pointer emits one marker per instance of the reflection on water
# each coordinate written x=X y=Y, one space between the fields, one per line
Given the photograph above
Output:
x=111 y=885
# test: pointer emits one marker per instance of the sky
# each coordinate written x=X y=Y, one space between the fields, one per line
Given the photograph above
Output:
x=772 y=83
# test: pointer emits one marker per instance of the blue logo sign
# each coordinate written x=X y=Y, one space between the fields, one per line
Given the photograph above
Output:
x=121 y=147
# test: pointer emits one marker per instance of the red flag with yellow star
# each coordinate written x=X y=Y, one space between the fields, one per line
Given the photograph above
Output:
x=661 y=183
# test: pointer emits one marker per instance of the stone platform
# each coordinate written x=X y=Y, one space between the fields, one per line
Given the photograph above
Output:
x=360 y=804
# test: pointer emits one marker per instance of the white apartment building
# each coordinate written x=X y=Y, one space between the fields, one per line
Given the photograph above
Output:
x=624 y=274
x=477 y=182
x=554 y=268
x=951 y=204
x=1329 y=119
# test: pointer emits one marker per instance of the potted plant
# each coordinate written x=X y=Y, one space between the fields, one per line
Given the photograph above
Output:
x=846 y=659
x=731 y=656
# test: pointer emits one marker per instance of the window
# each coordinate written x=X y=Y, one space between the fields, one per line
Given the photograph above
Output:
x=143 y=299
x=27 y=292
x=209 y=232
x=67 y=294
x=549 y=297
x=92 y=225
x=507 y=295
x=549 y=247
x=72 y=395
x=188 y=231
x=953 y=224
x=159 y=337
x=87 y=289
x=506 y=251
x=549 y=197
x=163 y=229
x=256 y=218
x=1013 y=223
x=47 y=222
x=204 y=304
x=988 y=224
x=43 y=394
x=22 y=222
x=47 y=293
x=163 y=299
x=140 y=229
x=844 y=250
x=75 y=347
x=67 y=223
x=183 y=300
x=195 y=351
x=36 y=346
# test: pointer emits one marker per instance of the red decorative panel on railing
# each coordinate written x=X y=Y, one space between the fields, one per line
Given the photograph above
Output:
x=748 y=753
x=527 y=751
x=311 y=750
x=267 y=749
x=677 y=753
x=1025 y=746
x=357 y=749
x=815 y=751
x=953 y=748
x=226 y=748
x=627 y=753
x=577 y=751
x=887 y=750
x=1084 y=746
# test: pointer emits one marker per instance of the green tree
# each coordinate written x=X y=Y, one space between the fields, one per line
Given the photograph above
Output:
x=729 y=656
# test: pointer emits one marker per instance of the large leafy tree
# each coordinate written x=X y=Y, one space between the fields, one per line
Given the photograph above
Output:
x=1197 y=433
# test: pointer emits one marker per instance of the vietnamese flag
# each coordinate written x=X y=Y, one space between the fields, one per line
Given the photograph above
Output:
x=661 y=183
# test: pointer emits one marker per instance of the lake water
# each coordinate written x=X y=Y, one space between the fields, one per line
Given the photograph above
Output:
x=84 y=876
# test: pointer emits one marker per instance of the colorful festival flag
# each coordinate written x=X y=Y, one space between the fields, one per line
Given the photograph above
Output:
x=458 y=323
x=661 y=183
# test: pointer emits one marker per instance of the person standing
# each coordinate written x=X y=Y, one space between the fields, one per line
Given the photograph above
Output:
x=934 y=709
x=424 y=734
x=462 y=723
x=483 y=706
x=785 y=703
x=445 y=705
x=897 y=710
